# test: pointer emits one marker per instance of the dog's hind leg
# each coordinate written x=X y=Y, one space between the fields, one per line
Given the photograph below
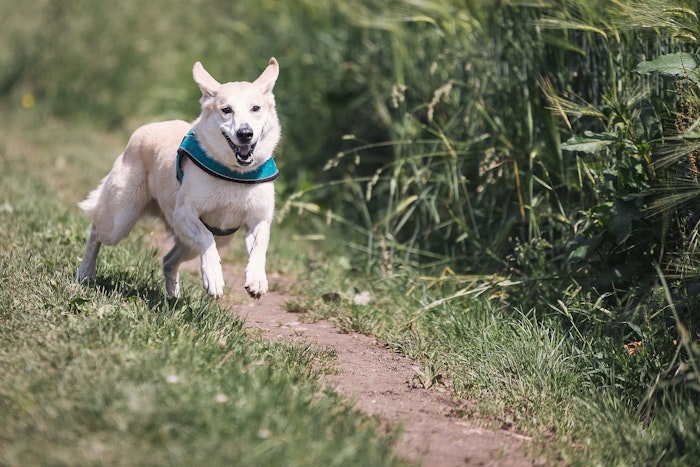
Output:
x=122 y=202
x=171 y=262
x=88 y=267
x=115 y=207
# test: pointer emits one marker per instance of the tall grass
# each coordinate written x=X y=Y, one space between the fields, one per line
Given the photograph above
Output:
x=473 y=162
x=541 y=154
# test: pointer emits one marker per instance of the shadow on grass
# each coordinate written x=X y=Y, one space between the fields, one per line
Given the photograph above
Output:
x=131 y=287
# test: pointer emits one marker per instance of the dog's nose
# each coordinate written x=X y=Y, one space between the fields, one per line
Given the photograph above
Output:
x=244 y=134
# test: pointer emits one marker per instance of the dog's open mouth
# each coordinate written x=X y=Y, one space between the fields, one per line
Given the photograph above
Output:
x=244 y=152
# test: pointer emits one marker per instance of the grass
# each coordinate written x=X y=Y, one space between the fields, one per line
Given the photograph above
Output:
x=579 y=395
x=115 y=373
x=515 y=253
x=512 y=182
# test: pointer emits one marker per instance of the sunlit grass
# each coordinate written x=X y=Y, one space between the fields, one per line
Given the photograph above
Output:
x=117 y=373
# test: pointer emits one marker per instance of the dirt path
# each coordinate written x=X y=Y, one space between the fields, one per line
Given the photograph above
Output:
x=380 y=383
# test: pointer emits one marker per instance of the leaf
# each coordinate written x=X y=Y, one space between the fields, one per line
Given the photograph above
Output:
x=682 y=64
x=553 y=23
x=404 y=204
x=590 y=143
x=584 y=249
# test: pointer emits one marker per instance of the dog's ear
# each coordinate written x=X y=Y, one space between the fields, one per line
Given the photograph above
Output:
x=266 y=81
x=207 y=84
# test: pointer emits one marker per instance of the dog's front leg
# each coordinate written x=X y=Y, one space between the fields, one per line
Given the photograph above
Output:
x=212 y=274
x=190 y=230
x=257 y=239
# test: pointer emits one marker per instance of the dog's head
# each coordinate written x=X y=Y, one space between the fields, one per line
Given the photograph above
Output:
x=238 y=124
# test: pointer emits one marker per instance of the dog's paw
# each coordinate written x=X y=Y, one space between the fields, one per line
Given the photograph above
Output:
x=213 y=280
x=85 y=274
x=256 y=285
x=172 y=285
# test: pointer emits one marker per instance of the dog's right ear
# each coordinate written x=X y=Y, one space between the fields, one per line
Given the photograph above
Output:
x=207 y=84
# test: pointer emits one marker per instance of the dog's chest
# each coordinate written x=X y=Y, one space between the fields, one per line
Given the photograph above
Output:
x=234 y=205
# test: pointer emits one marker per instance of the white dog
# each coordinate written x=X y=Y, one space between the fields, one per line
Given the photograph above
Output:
x=204 y=180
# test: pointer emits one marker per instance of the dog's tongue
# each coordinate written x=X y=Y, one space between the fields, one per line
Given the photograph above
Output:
x=244 y=150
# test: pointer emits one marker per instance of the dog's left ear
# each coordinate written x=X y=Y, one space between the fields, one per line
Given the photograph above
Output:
x=266 y=81
x=207 y=84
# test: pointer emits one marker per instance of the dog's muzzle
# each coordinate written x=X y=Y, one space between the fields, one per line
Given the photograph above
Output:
x=244 y=152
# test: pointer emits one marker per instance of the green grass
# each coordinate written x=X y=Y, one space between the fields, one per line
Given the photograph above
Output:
x=115 y=373
x=579 y=395
x=513 y=189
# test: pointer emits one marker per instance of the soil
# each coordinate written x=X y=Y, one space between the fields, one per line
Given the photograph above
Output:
x=382 y=383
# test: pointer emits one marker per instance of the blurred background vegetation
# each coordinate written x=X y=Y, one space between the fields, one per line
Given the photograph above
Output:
x=540 y=153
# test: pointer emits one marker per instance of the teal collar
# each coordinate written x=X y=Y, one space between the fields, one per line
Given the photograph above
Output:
x=189 y=147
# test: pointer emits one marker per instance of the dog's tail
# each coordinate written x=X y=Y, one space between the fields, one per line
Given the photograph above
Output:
x=89 y=204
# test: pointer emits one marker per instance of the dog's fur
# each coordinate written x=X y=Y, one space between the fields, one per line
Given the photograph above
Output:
x=142 y=181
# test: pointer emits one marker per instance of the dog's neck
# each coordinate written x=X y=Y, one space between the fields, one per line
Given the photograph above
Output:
x=190 y=147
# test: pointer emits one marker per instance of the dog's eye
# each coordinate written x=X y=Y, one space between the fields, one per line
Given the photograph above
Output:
x=255 y=108
x=227 y=109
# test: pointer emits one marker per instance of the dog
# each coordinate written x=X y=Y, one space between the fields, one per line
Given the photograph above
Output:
x=205 y=180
